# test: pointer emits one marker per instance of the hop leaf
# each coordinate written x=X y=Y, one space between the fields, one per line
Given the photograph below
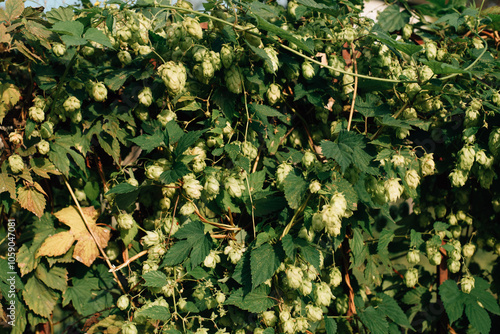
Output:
x=86 y=250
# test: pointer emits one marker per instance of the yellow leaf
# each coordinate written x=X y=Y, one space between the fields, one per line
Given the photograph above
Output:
x=8 y=183
x=4 y=36
x=86 y=250
x=14 y=8
x=31 y=200
x=57 y=244
x=9 y=96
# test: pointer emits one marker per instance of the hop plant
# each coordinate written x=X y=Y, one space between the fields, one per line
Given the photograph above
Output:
x=192 y=187
x=233 y=187
x=271 y=66
x=174 y=76
x=71 y=104
x=314 y=313
x=193 y=27
x=393 y=189
x=308 y=70
x=467 y=284
x=412 y=178
x=99 y=92
x=411 y=277
x=427 y=164
x=124 y=57
x=413 y=256
x=323 y=295
x=129 y=328
x=36 y=114
x=123 y=302
x=430 y=50
x=125 y=221
x=234 y=80
x=16 y=163
x=59 y=49
x=314 y=186
x=145 y=97
x=273 y=94
x=335 y=277
x=43 y=147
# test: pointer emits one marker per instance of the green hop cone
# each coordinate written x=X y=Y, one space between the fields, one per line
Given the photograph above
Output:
x=71 y=104
x=308 y=70
x=407 y=31
x=129 y=328
x=36 y=114
x=193 y=27
x=43 y=147
x=59 y=49
x=184 y=4
x=125 y=221
x=411 y=277
x=123 y=302
x=204 y=71
x=233 y=79
x=227 y=55
x=430 y=50
x=272 y=65
x=99 y=92
x=252 y=35
x=273 y=94
x=112 y=251
x=16 y=163
x=174 y=76
x=467 y=284
x=413 y=256
x=145 y=97
x=124 y=57
x=47 y=129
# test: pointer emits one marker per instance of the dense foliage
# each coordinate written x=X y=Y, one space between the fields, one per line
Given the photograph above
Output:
x=251 y=168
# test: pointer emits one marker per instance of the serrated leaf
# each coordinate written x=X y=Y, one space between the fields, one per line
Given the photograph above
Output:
x=8 y=183
x=9 y=96
x=155 y=279
x=357 y=245
x=72 y=28
x=322 y=8
x=55 y=278
x=13 y=9
x=374 y=321
x=440 y=226
x=330 y=325
x=311 y=255
x=187 y=140
x=386 y=236
x=394 y=45
x=31 y=200
x=116 y=79
x=59 y=14
x=39 y=298
x=452 y=300
x=264 y=263
x=256 y=301
x=295 y=189
x=179 y=169
x=415 y=239
x=122 y=188
x=392 y=18
x=128 y=236
x=43 y=167
x=391 y=309
x=288 y=246
x=443 y=68
x=177 y=253
x=109 y=325
x=86 y=250
x=155 y=312
x=149 y=142
x=478 y=317
x=481 y=293
x=95 y=35
x=201 y=249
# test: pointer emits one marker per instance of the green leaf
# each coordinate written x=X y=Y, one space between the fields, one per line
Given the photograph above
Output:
x=128 y=236
x=415 y=239
x=453 y=300
x=179 y=169
x=264 y=263
x=72 y=28
x=201 y=249
x=187 y=140
x=267 y=205
x=149 y=142
x=194 y=229
x=295 y=189
x=256 y=301
x=391 y=309
x=55 y=278
x=443 y=68
x=155 y=279
x=319 y=7
x=330 y=325
x=478 y=317
x=386 y=236
x=483 y=296
x=96 y=35
x=39 y=298
x=92 y=190
x=392 y=18
x=155 y=312
x=394 y=45
x=43 y=228
x=374 y=321
x=357 y=245
x=177 y=253
x=288 y=246
x=116 y=79
x=440 y=226
x=311 y=255
x=59 y=14
x=265 y=25
x=73 y=40
x=122 y=188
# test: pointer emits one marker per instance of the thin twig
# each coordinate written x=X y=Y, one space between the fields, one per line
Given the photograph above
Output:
x=126 y=263
x=355 y=86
